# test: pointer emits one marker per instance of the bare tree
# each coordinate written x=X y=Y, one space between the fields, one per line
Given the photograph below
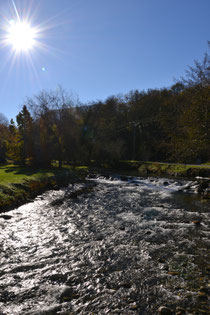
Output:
x=53 y=113
x=199 y=74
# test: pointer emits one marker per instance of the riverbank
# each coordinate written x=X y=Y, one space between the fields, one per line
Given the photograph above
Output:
x=164 y=169
x=200 y=174
x=19 y=185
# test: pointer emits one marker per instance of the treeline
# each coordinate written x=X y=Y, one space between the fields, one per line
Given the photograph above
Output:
x=169 y=124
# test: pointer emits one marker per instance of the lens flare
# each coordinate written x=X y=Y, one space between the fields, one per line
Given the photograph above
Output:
x=21 y=36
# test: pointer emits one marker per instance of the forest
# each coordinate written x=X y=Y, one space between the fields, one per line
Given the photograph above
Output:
x=166 y=125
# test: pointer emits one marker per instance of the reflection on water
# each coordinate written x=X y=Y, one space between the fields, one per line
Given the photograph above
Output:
x=123 y=247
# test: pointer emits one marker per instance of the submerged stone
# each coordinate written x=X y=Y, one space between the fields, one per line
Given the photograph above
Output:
x=173 y=273
x=163 y=310
x=180 y=311
x=205 y=290
x=161 y=260
x=67 y=294
x=197 y=222
x=57 y=202
x=99 y=237
x=202 y=296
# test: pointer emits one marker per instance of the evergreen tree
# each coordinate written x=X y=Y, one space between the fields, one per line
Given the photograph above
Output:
x=3 y=137
x=25 y=135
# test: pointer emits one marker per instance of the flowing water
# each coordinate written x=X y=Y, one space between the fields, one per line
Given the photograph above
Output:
x=119 y=247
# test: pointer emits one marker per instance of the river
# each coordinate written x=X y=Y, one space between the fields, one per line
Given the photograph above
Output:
x=117 y=247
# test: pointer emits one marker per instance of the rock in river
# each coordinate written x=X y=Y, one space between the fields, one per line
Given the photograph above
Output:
x=163 y=310
x=6 y=217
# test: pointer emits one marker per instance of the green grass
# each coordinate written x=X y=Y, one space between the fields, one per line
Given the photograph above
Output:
x=19 y=184
x=206 y=164
x=12 y=174
x=164 y=169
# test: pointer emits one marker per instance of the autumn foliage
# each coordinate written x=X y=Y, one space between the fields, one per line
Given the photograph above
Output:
x=169 y=124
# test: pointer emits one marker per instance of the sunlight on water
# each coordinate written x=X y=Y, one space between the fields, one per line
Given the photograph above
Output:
x=126 y=247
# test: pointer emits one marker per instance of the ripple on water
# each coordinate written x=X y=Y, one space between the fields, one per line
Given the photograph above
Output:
x=126 y=247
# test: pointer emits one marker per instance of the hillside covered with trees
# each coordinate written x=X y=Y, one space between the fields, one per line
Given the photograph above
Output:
x=169 y=124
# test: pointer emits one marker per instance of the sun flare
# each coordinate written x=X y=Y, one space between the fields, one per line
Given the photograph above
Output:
x=21 y=36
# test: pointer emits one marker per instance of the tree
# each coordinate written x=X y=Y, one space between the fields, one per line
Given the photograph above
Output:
x=191 y=141
x=199 y=74
x=54 y=122
x=25 y=132
x=3 y=137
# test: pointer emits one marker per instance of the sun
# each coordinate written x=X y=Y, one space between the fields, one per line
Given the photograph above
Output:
x=21 y=36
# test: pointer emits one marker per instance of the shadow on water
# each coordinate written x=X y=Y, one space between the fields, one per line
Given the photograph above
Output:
x=192 y=202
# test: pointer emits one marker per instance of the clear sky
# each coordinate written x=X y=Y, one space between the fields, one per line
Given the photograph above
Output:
x=99 y=48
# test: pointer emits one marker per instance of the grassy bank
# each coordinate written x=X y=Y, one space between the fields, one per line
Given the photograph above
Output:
x=19 y=185
x=165 y=169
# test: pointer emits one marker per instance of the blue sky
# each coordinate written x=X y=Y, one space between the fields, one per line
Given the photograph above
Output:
x=98 y=48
